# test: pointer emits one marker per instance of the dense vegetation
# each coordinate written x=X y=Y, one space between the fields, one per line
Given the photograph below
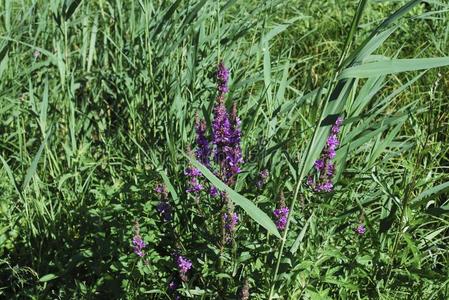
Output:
x=101 y=116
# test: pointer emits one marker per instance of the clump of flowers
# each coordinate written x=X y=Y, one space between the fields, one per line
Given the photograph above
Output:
x=184 y=265
x=224 y=145
x=324 y=166
x=361 y=229
x=138 y=243
x=194 y=185
x=163 y=208
x=222 y=153
x=263 y=176
x=281 y=214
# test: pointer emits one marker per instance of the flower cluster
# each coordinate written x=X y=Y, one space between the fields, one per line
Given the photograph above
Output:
x=226 y=135
x=163 y=208
x=184 y=265
x=361 y=229
x=138 y=243
x=224 y=145
x=281 y=214
x=221 y=153
x=324 y=166
x=194 y=185
x=263 y=176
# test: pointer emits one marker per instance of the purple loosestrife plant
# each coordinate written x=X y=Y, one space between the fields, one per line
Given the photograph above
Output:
x=222 y=154
x=225 y=140
x=324 y=166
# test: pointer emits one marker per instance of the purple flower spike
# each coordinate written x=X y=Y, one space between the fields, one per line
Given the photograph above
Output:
x=221 y=126
x=230 y=220
x=324 y=166
x=184 y=264
x=195 y=186
x=281 y=215
x=138 y=244
x=360 y=230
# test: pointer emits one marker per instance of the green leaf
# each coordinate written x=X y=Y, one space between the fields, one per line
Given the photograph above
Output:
x=300 y=237
x=47 y=277
x=434 y=190
x=393 y=66
x=33 y=167
x=249 y=207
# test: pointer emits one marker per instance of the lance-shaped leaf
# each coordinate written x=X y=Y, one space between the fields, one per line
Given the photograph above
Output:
x=249 y=207
x=379 y=68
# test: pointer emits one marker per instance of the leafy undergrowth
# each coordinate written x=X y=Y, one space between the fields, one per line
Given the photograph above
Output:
x=98 y=122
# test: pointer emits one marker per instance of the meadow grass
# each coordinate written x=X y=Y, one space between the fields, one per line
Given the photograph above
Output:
x=98 y=104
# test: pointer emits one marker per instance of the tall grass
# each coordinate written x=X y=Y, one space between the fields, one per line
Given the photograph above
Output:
x=97 y=107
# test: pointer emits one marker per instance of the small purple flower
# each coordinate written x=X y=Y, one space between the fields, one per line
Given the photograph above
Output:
x=281 y=215
x=172 y=286
x=360 y=230
x=194 y=186
x=138 y=244
x=192 y=172
x=221 y=127
x=230 y=220
x=184 y=264
x=161 y=190
x=213 y=191
x=319 y=164
x=336 y=127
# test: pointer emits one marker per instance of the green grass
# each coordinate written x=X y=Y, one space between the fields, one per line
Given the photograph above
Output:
x=107 y=109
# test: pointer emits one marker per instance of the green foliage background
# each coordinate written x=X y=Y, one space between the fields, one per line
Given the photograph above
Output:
x=101 y=114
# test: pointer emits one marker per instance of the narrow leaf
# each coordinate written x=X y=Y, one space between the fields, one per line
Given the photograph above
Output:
x=249 y=207
x=393 y=66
